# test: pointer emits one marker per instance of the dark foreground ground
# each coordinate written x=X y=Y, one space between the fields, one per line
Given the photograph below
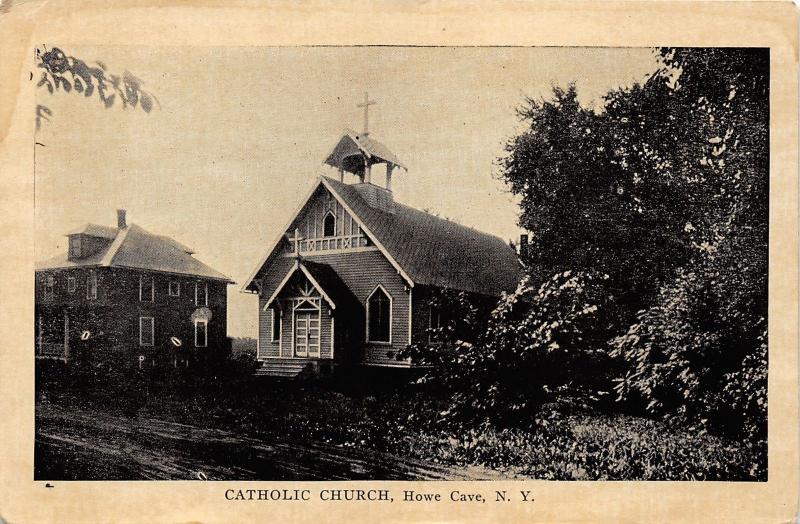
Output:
x=261 y=429
x=101 y=446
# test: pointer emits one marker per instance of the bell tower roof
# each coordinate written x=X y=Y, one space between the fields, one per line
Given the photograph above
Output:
x=356 y=153
x=355 y=150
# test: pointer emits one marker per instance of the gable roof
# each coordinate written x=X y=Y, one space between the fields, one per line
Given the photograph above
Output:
x=434 y=251
x=133 y=247
x=426 y=249
x=324 y=278
x=351 y=143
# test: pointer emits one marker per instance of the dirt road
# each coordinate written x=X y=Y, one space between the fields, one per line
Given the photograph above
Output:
x=103 y=446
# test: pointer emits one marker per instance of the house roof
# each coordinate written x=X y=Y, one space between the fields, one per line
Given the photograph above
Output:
x=133 y=247
x=95 y=230
x=352 y=143
x=429 y=250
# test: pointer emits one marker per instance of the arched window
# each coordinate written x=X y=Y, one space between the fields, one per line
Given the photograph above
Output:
x=379 y=316
x=329 y=225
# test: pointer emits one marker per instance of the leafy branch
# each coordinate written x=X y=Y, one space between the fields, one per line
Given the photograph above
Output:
x=68 y=73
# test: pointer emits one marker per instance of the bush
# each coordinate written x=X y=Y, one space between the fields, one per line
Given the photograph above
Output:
x=691 y=355
x=538 y=343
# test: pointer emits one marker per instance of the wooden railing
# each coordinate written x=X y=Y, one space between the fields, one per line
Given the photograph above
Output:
x=331 y=243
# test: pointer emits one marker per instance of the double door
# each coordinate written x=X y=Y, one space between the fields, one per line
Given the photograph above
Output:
x=306 y=333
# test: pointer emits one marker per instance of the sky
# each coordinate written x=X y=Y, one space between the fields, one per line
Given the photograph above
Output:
x=241 y=134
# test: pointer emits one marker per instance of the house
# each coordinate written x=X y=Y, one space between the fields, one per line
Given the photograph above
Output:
x=129 y=297
x=349 y=278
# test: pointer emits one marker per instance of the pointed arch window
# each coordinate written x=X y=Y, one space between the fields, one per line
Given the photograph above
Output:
x=329 y=225
x=379 y=316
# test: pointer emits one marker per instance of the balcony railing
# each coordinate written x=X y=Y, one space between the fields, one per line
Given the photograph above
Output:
x=332 y=243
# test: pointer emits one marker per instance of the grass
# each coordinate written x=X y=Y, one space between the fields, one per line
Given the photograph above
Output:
x=560 y=444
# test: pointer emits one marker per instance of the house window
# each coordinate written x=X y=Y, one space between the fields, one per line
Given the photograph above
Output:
x=72 y=284
x=174 y=288
x=49 y=286
x=147 y=331
x=379 y=316
x=146 y=288
x=91 y=285
x=201 y=293
x=200 y=334
x=276 y=325
x=75 y=247
x=329 y=225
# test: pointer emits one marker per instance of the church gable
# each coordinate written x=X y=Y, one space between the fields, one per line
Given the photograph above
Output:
x=325 y=226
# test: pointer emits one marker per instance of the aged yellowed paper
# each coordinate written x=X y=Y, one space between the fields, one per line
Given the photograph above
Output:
x=293 y=208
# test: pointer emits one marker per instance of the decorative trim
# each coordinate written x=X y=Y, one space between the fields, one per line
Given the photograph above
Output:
x=297 y=265
x=366 y=230
x=391 y=318
x=323 y=252
x=322 y=181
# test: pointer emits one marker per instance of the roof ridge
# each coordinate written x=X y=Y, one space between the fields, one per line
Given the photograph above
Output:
x=417 y=210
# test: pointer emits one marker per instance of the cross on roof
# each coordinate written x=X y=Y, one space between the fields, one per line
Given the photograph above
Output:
x=296 y=240
x=367 y=102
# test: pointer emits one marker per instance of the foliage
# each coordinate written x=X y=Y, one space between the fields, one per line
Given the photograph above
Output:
x=706 y=331
x=665 y=189
x=559 y=445
x=68 y=73
x=532 y=348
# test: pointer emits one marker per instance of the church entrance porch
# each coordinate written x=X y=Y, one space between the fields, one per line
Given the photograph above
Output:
x=311 y=315
x=306 y=327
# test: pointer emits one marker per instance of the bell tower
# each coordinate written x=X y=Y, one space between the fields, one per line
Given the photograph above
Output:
x=357 y=153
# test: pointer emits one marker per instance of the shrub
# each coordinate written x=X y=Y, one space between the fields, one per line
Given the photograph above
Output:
x=692 y=355
x=537 y=343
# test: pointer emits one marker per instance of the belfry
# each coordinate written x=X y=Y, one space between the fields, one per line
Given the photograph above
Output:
x=356 y=153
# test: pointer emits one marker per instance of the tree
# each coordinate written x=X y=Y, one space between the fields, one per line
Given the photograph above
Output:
x=665 y=189
x=689 y=351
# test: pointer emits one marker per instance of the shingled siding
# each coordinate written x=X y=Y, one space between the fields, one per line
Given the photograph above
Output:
x=362 y=272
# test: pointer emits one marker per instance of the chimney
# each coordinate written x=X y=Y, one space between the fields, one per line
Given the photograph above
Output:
x=121 y=224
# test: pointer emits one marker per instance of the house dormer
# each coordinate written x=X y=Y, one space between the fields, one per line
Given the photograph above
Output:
x=93 y=238
x=358 y=153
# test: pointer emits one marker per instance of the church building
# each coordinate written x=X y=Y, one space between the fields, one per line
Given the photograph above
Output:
x=349 y=278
